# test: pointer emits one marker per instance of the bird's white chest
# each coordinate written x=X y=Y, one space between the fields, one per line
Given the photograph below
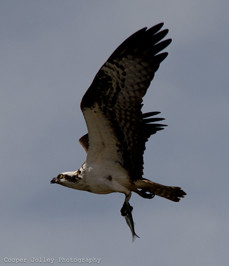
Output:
x=106 y=177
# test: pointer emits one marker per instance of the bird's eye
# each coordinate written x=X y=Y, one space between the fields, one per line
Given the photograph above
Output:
x=61 y=176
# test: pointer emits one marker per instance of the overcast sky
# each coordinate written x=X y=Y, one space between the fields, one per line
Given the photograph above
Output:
x=49 y=53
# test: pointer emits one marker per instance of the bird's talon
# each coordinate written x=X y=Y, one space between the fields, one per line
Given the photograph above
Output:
x=126 y=208
x=123 y=210
x=146 y=194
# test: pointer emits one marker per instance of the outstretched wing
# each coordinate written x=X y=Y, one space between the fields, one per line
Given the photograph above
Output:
x=148 y=131
x=117 y=129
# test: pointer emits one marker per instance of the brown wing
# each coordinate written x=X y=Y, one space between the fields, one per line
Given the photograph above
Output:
x=84 y=142
x=115 y=97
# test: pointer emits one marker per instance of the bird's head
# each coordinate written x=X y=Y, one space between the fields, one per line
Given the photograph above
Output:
x=68 y=179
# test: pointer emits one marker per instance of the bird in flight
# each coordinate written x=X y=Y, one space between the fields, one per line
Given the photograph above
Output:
x=117 y=128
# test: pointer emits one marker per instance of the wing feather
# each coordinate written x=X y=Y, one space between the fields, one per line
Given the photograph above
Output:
x=113 y=102
x=84 y=142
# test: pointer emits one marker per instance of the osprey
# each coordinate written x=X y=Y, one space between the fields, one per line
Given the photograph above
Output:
x=117 y=128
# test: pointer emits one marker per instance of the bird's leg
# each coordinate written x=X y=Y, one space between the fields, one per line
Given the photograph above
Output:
x=126 y=211
x=144 y=193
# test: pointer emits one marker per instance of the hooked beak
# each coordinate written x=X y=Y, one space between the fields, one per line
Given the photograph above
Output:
x=53 y=181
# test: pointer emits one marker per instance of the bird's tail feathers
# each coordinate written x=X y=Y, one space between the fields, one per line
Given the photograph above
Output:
x=147 y=189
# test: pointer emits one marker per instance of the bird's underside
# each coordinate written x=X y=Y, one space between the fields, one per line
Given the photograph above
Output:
x=117 y=128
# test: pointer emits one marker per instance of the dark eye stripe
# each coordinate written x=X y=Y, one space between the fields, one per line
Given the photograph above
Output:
x=71 y=178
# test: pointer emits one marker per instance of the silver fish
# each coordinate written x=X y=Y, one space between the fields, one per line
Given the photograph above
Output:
x=126 y=211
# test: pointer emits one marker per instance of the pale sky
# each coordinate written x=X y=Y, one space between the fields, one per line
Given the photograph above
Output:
x=50 y=52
